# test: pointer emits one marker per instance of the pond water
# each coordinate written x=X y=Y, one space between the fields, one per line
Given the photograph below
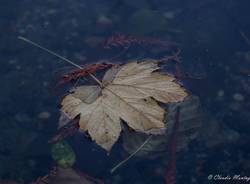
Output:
x=214 y=39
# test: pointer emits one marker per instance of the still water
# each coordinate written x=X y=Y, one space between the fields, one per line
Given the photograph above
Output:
x=214 y=40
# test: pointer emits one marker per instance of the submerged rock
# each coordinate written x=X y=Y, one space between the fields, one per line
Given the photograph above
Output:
x=69 y=176
x=93 y=41
x=144 y=22
x=190 y=125
x=194 y=125
x=59 y=175
x=44 y=115
x=104 y=20
x=238 y=97
x=137 y=3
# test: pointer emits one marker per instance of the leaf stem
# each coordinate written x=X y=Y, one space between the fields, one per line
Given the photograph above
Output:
x=57 y=55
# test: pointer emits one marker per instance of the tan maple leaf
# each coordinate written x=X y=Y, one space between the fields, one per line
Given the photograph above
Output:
x=129 y=93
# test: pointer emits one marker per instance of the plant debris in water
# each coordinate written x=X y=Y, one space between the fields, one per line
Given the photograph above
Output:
x=129 y=93
x=63 y=154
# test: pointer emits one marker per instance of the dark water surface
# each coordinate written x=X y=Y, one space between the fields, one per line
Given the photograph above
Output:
x=214 y=37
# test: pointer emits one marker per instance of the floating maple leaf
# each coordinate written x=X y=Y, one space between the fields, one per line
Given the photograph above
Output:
x=129 y=93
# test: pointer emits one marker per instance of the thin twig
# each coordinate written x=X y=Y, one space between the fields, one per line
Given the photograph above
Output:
x=245 y=38
x=57 y=55
x=170 y=176
x=130 y=156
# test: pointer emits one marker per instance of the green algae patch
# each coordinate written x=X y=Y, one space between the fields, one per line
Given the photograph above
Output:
x=63 y=154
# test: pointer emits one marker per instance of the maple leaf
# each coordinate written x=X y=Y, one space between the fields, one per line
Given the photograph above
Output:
x=129 y=93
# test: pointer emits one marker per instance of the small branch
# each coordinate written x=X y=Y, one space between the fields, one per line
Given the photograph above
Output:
x=175 y=57
x=66 y=131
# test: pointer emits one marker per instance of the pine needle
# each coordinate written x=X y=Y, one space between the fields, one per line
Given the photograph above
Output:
x=132 y=155
x=57 y=55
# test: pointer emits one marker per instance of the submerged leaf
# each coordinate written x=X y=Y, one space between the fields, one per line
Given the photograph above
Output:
x=129 y=93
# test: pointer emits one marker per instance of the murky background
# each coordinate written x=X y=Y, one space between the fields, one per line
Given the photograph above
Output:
x=214 y=37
